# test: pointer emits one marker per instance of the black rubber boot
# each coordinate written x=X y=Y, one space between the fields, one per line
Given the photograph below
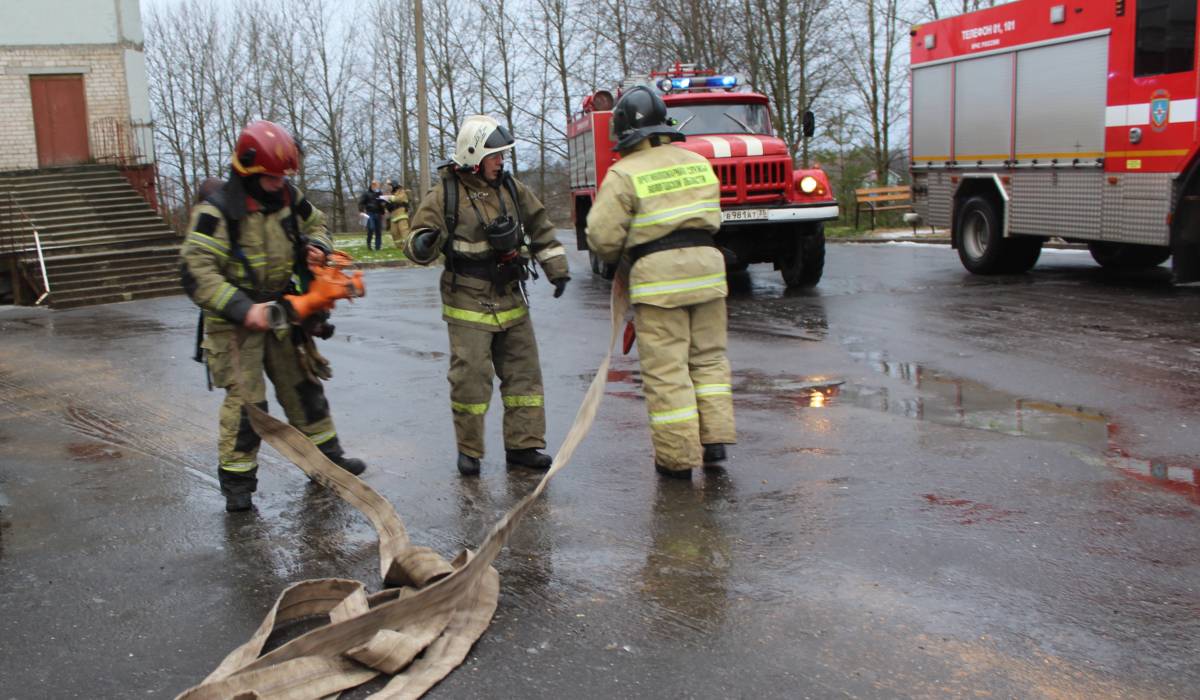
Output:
x=353 y=465
x=237 y=488
x=673 y=473
x=530 y=458
x=714 y=453
x=238 y=502
x=333 y=450
x=468 y=465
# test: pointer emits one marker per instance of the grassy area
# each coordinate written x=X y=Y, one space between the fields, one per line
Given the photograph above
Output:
x=356 y=245
x=833 y=230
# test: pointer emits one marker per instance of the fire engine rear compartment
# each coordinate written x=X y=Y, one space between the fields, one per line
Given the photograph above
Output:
x=1034 y=117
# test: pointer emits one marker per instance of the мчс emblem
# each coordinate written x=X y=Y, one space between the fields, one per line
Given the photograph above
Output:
x=1160 y=109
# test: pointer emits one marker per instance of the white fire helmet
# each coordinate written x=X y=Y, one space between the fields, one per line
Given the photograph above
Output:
x=479 y=137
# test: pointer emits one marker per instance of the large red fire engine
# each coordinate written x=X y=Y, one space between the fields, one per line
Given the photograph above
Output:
x=770 y=211
x=1060 y=118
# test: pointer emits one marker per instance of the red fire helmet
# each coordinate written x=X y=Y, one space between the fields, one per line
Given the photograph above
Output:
x=265 y=148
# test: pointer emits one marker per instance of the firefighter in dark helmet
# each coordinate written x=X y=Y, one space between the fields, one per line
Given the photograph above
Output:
x=245 y=243
x=490 y=228
x=659 y=207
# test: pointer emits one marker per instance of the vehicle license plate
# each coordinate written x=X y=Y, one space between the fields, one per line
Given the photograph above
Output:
x=743 y=214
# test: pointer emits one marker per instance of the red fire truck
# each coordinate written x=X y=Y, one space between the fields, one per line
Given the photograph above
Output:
x=770 y=211
x=1061 y=118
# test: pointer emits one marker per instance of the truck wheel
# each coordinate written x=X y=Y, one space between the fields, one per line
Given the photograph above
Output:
x=1022 y=253
x=599 y=267
x=1127 y=256
x=980 y=238
x=804 y=266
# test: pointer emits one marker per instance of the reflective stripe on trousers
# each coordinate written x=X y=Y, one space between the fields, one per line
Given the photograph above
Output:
x=686 y=284
x=528 y=400
x=495 y=318
x=474 y=409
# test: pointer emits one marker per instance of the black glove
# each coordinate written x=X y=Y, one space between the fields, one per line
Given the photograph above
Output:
x=560 y=284
x=422 y=244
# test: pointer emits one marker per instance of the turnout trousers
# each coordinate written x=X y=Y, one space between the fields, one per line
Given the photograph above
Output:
x=302 y=399
x=476 y=356
x=686 y=378
x=398 y=228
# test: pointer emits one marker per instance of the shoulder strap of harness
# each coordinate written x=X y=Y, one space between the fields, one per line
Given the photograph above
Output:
x=299 y=241
x=511 y=185
x=450 y=199
x=219 y=199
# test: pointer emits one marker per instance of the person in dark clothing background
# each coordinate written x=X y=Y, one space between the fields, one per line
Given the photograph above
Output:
x=372 y=203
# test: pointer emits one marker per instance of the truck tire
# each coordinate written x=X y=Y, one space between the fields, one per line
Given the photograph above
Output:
x=1022 y=252
x=803 y=268
x=981 y=244
x=1127 y=256
x=599 y=267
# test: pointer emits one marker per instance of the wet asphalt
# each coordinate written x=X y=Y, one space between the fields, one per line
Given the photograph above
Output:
x=945 y=486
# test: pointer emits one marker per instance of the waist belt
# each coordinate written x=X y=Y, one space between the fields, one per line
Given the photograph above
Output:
x=683 y=238
x=262 y=297
x=486 y=269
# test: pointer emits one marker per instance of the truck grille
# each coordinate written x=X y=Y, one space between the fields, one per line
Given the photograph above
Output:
x=752 y=178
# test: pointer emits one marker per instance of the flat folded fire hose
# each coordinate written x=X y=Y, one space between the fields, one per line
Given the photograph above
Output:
x=428 y=604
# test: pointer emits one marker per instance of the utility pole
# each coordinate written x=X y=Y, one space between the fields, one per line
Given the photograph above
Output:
x=422 y=103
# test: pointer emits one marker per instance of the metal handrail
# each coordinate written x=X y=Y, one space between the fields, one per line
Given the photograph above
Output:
x=9 y=232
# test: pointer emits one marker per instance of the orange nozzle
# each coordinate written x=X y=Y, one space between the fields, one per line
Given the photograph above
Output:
x=329 y=283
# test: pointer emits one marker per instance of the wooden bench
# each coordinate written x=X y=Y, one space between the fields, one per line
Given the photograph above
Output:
x=876 y=199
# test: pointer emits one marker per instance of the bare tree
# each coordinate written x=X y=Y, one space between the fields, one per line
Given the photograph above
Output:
x=941 y=8
x=327 y=96
x=499 y=48
x=873 y=69
x=395 y=26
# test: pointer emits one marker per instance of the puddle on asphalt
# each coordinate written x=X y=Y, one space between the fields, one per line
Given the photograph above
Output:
x=108 y=328
x=92 y=452
x=937 y=397
x=802 y=320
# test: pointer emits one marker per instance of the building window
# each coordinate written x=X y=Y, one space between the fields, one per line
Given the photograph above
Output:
x=1166 y=37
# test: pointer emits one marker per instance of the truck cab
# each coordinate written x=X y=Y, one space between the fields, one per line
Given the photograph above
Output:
x=770 y=210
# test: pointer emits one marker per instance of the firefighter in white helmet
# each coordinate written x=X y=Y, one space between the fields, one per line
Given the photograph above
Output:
x=659 y=207
x=491 y=229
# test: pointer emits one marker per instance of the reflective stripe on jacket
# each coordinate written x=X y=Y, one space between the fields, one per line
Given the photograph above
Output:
x=471 y=301
x=214 y=276
x=649 y=193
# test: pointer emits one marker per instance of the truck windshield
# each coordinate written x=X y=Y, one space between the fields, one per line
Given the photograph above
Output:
x=695 y=120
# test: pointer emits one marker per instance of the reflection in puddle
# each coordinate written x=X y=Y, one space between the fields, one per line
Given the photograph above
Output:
x=936 y=397
x=1181 y=478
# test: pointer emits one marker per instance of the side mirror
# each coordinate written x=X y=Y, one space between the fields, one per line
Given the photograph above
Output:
x=808 y=124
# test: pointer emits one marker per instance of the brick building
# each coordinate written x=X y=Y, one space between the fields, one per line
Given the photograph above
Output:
x=77 y=177
x=73 y=84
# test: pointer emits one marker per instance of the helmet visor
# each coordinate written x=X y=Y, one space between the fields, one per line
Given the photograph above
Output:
x=499 y=138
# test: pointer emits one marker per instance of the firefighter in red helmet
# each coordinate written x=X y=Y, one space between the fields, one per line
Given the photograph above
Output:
x=245 y=244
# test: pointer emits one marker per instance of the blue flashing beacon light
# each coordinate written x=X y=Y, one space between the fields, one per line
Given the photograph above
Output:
x=698 y=82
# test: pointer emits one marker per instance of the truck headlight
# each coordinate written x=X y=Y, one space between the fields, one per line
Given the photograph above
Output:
x=808 y=184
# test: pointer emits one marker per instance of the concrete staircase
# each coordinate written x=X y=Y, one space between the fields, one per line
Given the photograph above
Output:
x=101 y=240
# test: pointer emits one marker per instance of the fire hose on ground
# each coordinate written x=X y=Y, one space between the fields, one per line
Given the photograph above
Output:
x=427 y=604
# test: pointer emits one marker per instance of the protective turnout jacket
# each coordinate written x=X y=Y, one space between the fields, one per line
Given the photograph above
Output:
x=470 y=298
x=397 y=205
x=225 y=283
x=649 y=193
